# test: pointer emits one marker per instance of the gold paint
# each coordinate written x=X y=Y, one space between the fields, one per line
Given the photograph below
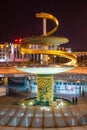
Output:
x=50 y=17
x=44 y=40
x=45 y=88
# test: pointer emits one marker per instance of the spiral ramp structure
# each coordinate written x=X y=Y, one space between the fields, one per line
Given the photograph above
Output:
x=45 y=40
x=45 y=74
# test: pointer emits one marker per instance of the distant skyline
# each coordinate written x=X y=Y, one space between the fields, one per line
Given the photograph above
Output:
x=17 y=19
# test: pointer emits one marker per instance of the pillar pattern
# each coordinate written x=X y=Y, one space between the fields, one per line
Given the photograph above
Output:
x=45 y=88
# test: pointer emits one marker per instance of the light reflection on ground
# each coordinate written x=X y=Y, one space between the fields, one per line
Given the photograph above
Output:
x=38 y=117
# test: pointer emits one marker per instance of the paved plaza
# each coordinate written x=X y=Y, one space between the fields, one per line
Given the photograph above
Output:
x=13 y=117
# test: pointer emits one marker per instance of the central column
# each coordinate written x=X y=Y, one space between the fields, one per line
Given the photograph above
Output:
x=45 y=88
x=44 y=58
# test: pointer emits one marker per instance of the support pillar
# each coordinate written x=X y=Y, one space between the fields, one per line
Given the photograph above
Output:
x=45 y=88
x=5 y=83
x=29 y=85
x=44 y=58
x=25 y=84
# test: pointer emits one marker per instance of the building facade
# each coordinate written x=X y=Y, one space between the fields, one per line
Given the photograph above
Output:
x=10 y=53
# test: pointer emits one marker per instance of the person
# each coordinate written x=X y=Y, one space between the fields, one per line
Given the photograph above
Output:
x=73 y=100
x=83 y=92
x=76 y=100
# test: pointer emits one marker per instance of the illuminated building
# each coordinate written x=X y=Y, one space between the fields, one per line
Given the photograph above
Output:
x=10 y=53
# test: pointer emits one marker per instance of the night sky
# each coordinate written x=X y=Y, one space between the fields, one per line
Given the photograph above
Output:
x=17 y=19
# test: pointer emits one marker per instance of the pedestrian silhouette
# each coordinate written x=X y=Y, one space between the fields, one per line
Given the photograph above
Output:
x=83 y=92
x=73 y=100
x=76 y=100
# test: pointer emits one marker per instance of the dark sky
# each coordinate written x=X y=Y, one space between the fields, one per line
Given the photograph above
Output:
x=17 y=19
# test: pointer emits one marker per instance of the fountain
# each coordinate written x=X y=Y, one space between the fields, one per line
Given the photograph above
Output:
x=45 y=72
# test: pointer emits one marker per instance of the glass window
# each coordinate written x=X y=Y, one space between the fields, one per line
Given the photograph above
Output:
x=65 y=83
x=69 y=83
x=78 y=83
x=74 y=83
